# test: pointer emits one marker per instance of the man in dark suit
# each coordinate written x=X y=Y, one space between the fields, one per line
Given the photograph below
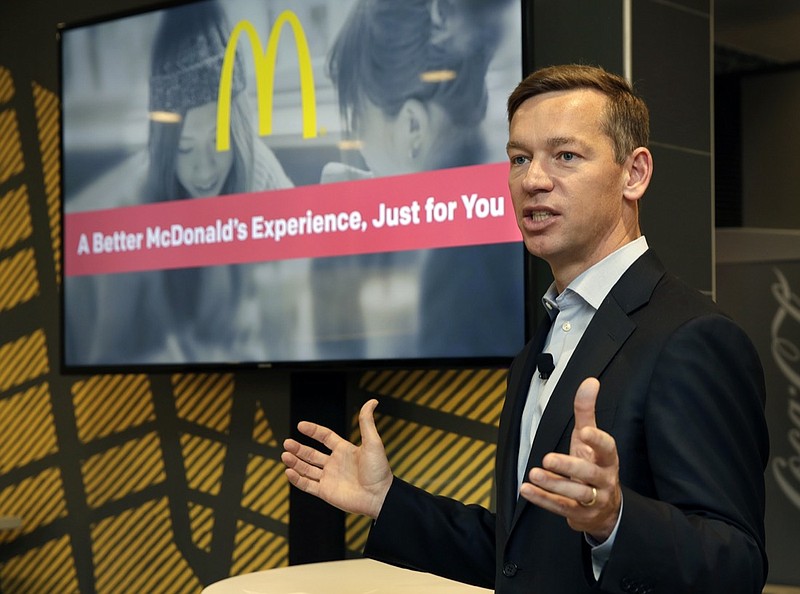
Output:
x=635 y=462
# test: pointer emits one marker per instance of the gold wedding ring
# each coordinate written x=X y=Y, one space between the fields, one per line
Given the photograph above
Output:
x=592 y=501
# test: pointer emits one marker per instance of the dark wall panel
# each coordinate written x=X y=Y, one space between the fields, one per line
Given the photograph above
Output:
x=674 y=77
x=583 y=31
x=672 y=69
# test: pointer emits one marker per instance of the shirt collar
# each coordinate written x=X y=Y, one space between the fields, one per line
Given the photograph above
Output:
x=595 y=283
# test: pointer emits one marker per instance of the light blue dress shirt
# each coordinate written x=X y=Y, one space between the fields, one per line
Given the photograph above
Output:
x=571 y=312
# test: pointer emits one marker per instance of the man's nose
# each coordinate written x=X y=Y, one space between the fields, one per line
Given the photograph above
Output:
x=536 y=178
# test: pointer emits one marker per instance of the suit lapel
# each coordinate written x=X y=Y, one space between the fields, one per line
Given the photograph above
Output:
x=508 y=439
x=603 y=338
x=607 y=332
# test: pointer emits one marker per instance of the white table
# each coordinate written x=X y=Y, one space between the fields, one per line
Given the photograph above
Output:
x=353 y=576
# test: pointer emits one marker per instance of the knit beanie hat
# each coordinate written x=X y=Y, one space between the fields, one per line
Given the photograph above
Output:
x=188 y=52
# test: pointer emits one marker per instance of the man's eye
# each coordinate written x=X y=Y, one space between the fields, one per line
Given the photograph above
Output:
x=567 y=156
x=518 y=160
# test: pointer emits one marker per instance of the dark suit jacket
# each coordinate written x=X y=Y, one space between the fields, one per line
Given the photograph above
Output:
x=682 y=393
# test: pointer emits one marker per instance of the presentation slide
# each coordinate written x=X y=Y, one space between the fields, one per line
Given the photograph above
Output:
x=290 y=182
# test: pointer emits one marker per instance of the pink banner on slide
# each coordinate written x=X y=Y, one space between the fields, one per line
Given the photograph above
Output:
x=445 y=208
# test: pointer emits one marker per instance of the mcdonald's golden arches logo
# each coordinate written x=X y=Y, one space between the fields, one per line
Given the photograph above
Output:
x=265 y=77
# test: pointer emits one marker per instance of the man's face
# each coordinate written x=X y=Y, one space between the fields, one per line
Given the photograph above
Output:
x=566 y=187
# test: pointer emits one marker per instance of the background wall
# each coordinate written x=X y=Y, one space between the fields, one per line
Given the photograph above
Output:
x=758 y=274
x=758 y=232
x=136 y=483
x=770 y=151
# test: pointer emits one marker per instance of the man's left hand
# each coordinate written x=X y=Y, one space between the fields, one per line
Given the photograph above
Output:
x=583 y=486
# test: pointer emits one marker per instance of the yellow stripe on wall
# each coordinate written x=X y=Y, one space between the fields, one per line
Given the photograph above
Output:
x=204 y=399
x=6 y=85
x=201 y=523
x=473 y=394
x=438 y=461
x=15 y=215
x=19 y=282
x=203 y=460
x=23 y=360
x=46 y=104
x=120 y=471
x=48 y=568
x=38 y=500
x=257 y=549
x=135 y=551
x=266 y=490
x=11 y=160
x=108 y=404
x=262 y=430
x=27 y=429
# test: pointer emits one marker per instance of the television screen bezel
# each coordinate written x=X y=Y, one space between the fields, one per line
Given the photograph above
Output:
x=531 y=269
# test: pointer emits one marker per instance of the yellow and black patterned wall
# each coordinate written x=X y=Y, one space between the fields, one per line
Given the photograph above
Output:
x=166 y=483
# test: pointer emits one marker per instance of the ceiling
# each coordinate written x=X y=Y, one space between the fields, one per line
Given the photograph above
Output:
x=765 y=29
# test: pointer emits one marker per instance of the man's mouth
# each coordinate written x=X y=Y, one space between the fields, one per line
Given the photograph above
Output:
x=538 y=216
x=537 y=219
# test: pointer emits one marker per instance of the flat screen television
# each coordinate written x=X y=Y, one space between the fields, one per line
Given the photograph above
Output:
x=300 y=183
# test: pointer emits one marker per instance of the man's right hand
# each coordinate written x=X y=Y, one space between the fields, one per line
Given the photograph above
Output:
x=353 y=478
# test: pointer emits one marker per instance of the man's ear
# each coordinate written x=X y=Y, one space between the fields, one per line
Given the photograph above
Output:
x=639 y=169
x=413 y=129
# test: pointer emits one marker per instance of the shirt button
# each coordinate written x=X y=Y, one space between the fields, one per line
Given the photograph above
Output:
x=566 y=326
x=509 y=570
